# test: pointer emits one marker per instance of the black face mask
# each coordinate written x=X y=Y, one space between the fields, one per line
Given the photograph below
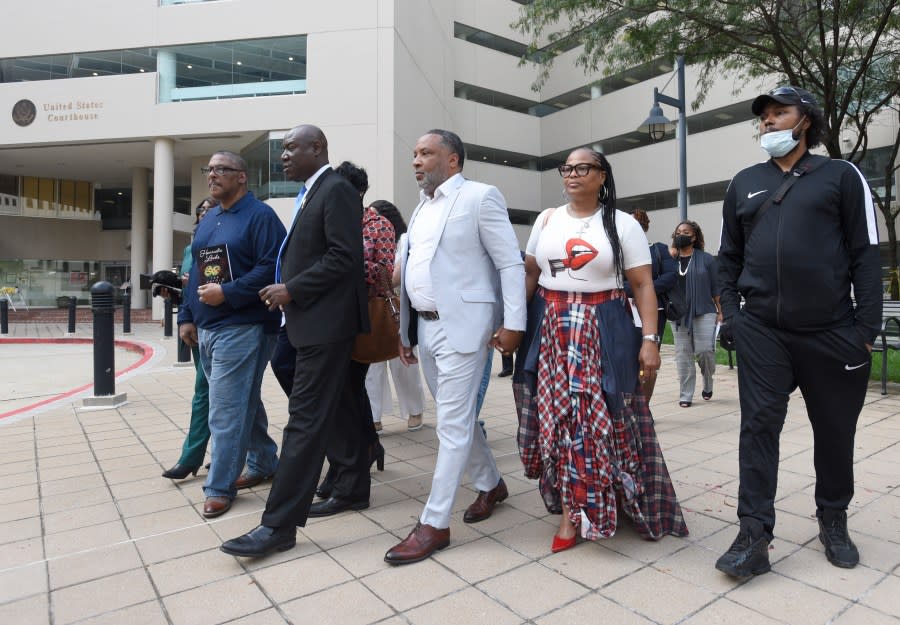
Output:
x=682 y=241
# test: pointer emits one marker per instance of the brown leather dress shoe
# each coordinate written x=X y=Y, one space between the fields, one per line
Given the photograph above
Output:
x=423 y=541
x=249 y=481
x=484 y=504
x=216 y=506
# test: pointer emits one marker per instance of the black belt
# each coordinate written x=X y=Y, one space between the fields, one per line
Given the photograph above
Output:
x=429 y=315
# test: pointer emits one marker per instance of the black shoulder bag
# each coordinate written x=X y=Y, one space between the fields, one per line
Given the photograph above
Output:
x=805 y=166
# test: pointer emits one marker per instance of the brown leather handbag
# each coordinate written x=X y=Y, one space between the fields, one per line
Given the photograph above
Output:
x=382 y=342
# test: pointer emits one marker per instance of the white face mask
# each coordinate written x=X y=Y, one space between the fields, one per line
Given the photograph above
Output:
x=779 y=142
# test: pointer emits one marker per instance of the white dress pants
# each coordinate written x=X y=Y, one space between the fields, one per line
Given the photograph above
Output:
x=454 y=380
x=408 y=382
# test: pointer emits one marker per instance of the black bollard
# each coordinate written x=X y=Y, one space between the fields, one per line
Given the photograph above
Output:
x=126 y=312
x=167 y=318
x=4 y=316
x=73 y=301
x=104 y=347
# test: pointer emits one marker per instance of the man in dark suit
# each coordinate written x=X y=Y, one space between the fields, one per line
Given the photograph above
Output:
x=322 y=292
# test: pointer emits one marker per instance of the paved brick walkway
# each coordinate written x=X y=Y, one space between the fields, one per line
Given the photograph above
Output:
x=90 y=532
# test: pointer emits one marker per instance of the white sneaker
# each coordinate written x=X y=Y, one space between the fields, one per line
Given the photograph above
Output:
x=414 y=423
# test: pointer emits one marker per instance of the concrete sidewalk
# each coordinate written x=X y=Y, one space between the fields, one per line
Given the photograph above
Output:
x=90 y=532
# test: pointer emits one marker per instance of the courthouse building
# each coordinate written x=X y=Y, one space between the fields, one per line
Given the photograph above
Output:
x=109 y=108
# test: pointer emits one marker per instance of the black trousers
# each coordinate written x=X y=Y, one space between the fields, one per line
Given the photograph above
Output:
x=348 y=450
x=320 y=380
x=831 y=368
x=283 y=360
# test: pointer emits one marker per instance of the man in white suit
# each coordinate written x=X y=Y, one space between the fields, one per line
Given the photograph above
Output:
x=462 y=292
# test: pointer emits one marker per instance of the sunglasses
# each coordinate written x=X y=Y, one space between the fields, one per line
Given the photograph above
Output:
x=789 y=91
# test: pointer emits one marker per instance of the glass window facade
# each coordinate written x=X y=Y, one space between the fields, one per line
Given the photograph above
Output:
x=46 y=197
x=33 y=282
x=873 y=167
x=225 y=69
x=233 y=69
x=265 y=176
x=78 y=65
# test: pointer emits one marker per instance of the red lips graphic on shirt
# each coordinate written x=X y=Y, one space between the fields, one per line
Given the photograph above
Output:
x=578 y=254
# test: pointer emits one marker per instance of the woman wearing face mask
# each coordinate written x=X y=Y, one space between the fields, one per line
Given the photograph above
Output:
x=695 y=332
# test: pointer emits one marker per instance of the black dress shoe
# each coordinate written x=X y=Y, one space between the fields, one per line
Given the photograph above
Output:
x=261 y=542
x=324 y=489
x=334 y=505
x=505 y=373
x=180 y=471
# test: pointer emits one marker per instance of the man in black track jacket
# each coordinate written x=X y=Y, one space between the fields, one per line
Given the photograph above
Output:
x=794 y=250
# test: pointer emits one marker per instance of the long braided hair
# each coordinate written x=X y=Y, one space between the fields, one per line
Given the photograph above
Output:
x=607 y=201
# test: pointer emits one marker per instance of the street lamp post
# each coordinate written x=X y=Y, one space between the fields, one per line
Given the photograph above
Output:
x=657 y=125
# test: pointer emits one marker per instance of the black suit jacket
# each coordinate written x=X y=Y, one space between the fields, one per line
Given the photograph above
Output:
x=322 y=266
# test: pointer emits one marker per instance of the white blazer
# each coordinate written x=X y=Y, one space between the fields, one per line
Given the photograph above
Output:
x=477 y=269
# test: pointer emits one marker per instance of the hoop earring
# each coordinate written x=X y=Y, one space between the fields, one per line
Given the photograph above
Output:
x=604 y=194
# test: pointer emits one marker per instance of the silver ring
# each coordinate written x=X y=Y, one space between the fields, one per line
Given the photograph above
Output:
x=268 y=303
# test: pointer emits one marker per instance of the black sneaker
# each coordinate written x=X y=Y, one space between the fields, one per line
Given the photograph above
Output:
x=748 y=554
x=839 y=549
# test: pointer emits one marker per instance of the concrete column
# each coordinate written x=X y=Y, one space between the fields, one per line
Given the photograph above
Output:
x=165 y=70
x=163 y=206
x=139 y=204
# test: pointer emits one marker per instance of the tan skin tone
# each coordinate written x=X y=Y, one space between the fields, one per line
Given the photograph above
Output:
x=583 y=192
x=688 y=251
x=304 y=153
x=434 y=164
x=227 y=189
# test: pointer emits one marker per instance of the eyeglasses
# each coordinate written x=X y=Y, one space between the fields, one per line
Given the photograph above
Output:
x=789 y=91
x=220 y=170
x=581 y=169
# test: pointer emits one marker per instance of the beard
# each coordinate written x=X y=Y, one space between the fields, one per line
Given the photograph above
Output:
x=431 y=180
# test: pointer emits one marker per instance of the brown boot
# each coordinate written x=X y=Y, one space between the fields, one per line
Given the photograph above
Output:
x=484 y=504
x=422 y=541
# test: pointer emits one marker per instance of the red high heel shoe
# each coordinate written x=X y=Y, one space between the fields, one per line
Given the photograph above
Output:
x=561 y=544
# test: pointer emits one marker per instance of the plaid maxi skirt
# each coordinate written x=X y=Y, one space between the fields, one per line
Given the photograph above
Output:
x=585 y=430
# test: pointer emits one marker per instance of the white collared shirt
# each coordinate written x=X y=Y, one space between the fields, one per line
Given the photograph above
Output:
x=309 y=182
x=424 y=234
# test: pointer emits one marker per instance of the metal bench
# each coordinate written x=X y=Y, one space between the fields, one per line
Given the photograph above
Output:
x=888 y=337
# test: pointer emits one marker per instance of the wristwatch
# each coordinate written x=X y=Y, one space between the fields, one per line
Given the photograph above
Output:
x=651 y=337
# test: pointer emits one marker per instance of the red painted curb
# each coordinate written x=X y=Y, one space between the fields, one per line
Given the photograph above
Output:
x=132 y=346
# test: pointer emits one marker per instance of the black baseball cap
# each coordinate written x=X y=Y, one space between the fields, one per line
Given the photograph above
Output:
x=784 y=95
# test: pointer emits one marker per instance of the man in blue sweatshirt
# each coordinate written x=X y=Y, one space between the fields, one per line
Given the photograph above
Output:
x=234 y=252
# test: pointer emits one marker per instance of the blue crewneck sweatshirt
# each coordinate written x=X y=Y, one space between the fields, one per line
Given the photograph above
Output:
x=253 y=232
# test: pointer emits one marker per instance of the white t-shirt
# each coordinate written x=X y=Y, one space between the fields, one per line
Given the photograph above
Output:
x=574 y=253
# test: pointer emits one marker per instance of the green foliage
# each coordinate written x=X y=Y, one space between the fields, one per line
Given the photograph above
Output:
x=845 y=52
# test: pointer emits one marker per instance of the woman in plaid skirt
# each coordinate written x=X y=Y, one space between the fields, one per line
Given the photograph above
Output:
x=585 y=429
